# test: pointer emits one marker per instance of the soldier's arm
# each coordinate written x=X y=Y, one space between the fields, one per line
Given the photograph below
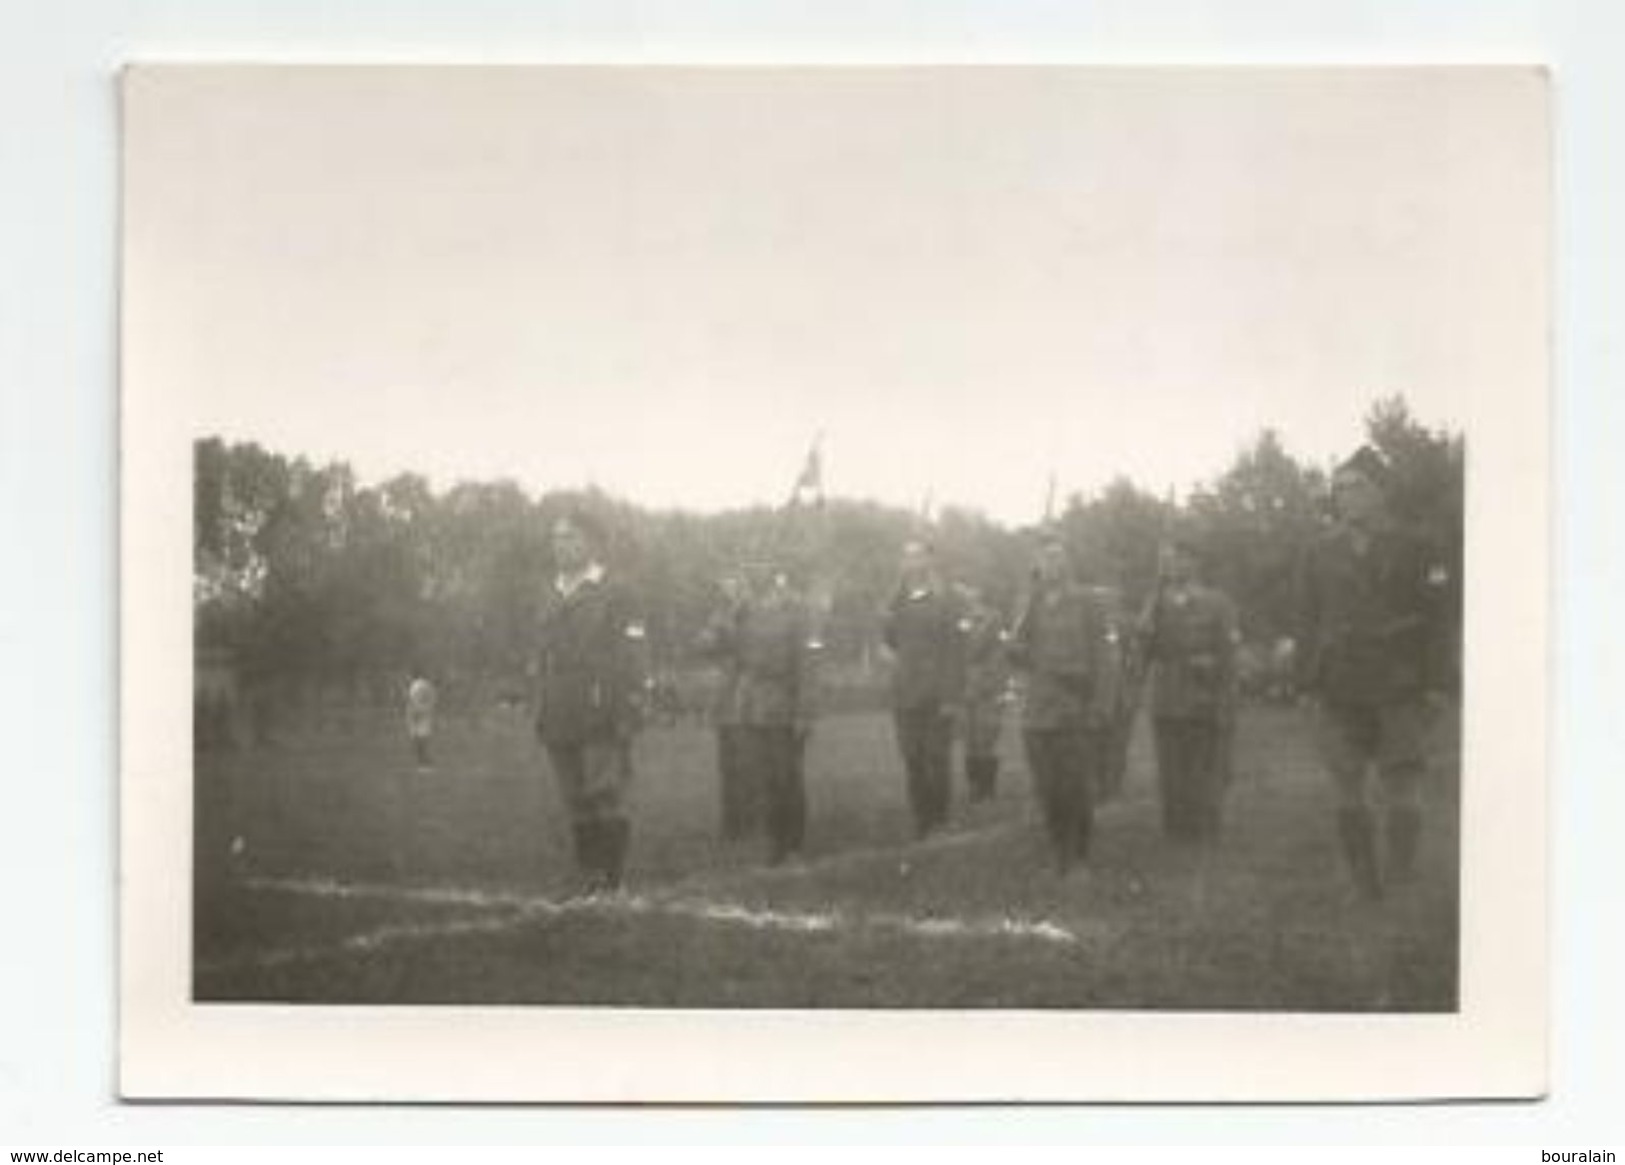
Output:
x=629 y=653
x=534 y=664
x=1100 y=635
x=809 y=647
x=888 y=623
x=957 y=629
x=1146 y=626
x=1018 y=644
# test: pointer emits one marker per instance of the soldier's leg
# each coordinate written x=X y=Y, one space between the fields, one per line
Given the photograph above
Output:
x=754 y=800
x=981 y=753
x=1402 y=765
x=763 y=761
x=795 y=810
x=569 y=774
x=1113 y=754
x=1170 y=744
x=970 y=759
x=909 y=744
x=607 y=776
x=1041 y=754
x=1346 y=736
x=1059 y=770
x=981 y=775
x=938 y=746
x=777 y=756
x=1086 y=757
x=1123 y=738
x=1207 y=778
x=1195 y=772
x=753 y=754
x=923 y=758
x=1188 y=780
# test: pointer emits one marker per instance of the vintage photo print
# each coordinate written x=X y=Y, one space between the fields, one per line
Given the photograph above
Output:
x=838 y=584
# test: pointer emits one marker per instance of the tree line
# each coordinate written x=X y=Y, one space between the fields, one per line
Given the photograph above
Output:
x=311 y=580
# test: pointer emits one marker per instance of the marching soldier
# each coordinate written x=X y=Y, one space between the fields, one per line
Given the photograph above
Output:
x=1059 y=641
x=741 y=797
x=1119 y=696
x=1369 y=640
x=1189 y=638
x=590 y=678
x=986 y=674
x=922 y=630
x=773 y=655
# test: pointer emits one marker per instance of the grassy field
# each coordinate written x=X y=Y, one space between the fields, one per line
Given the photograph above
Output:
x=363 y=881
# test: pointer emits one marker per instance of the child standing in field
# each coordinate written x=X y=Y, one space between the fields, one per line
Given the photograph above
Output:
x=420 y=698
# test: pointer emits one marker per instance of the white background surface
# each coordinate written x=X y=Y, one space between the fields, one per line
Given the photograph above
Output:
x=58 y=445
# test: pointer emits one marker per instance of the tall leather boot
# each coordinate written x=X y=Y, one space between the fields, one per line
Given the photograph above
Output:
x=1357 y=831
x=979 y=772
x=617 y=840
x=1404 y=832
x=584 y=839
x=588 y=851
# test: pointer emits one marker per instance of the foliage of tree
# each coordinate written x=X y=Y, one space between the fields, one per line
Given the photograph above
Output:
x=313 y=579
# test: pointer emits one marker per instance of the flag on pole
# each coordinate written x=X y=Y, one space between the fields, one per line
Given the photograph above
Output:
x=810 y=481
x=807 y=530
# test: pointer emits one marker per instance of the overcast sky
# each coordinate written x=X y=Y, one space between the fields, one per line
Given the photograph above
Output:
x=665 y=282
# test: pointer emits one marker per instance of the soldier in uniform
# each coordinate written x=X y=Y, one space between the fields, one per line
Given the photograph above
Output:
x=922 y=630
x=1119 y=696
x=1060 y=642
x=590 y=670
x=1368 y=644
x=1189 y=638
x=772 y=656
x=719 y=642
x=986 y=674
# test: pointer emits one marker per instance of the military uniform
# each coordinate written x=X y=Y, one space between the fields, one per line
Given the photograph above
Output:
x=986 y=675
x=741 y=797
x=1190 y=642
x=590 y=672
x=773 y=656
x=1119 y=695
x=922 y=629
x=1368 y=646
x=1060 y=644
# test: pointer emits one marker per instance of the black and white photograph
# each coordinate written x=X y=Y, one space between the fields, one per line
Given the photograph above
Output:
x=996 y=548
